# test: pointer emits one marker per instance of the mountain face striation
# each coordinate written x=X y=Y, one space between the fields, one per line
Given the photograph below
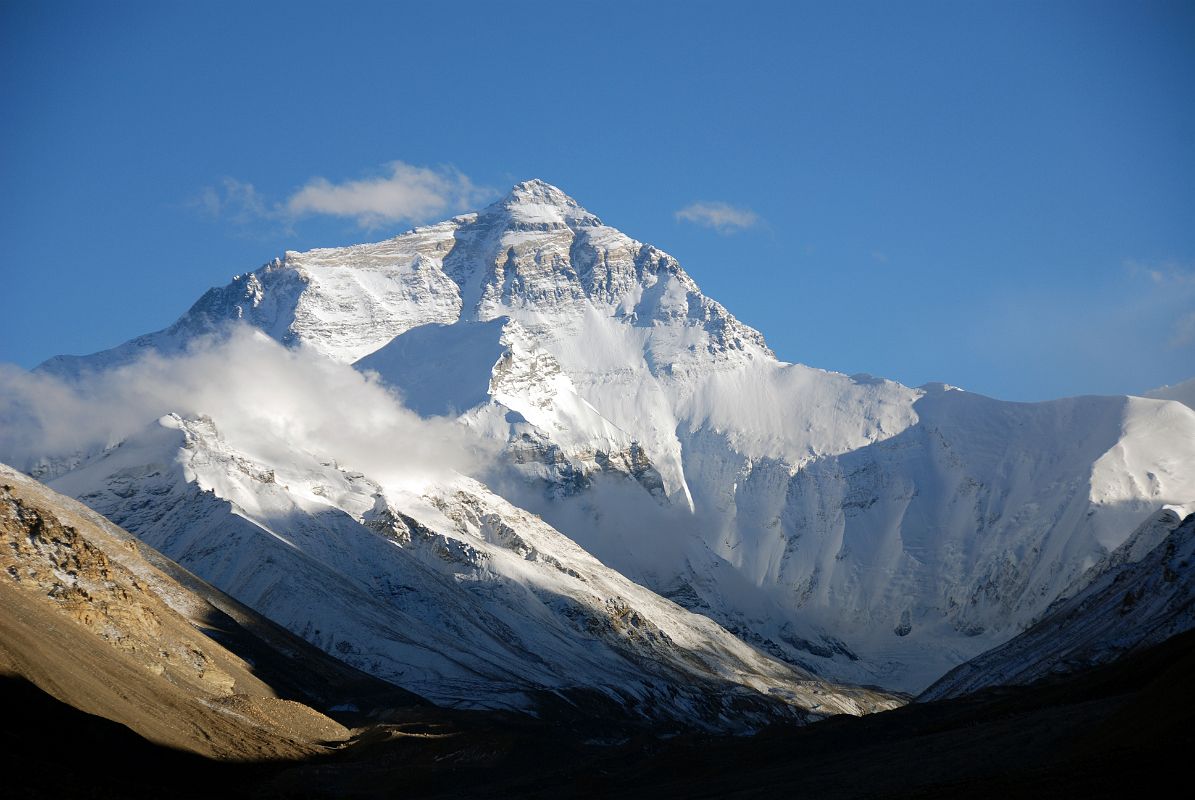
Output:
x=652 y=447
x=451 y=592
x=1139 y=596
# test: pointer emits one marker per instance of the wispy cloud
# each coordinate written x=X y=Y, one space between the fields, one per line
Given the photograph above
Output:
x=235 y=201
x=1172 y=283
x=1183 y=334
x=1166 y=273
x=722 y=217
x=400 y=193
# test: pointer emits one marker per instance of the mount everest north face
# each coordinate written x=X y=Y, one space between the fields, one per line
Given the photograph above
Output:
x=518 y=459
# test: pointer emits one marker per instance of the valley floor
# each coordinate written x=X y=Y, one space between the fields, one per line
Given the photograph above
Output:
x=1113 y=731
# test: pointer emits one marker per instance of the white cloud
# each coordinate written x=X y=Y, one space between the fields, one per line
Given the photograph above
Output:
x=722 y=217
x=266 y=400
x=402 y=193
x=405 y=193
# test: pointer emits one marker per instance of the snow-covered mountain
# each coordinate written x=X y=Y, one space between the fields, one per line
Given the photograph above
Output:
x=450 y=592
x=851 y=526
x=1138 y=596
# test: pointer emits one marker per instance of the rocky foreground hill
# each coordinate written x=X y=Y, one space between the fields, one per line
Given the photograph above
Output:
x=103 y=623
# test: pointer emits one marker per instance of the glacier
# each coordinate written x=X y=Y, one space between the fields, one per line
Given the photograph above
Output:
x=447 y=591
x=846 y=527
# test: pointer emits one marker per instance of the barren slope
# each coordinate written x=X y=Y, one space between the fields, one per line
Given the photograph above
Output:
x=90 y=620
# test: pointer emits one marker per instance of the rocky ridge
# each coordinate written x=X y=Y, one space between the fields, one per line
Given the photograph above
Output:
x=1138 y=597
x=849 y=525
x=452 y=593
x=90 y=620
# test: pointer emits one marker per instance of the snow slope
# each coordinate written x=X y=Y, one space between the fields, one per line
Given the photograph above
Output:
x=1130 y=601
x=449 y=592
x=1183 y=392
x=850 y=525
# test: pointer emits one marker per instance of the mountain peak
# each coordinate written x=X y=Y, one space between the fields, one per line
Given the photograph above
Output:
x=537 y=203
x=536 y=190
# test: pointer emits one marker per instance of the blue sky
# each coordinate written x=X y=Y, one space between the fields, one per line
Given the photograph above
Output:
x=996 y=195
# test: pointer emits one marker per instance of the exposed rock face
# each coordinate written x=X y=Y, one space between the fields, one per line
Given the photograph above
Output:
x=453 y=593
x=820 y=515
x=91 y=621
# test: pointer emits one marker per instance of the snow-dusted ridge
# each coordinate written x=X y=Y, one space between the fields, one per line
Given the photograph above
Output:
x=454 y=593
x=852 y=526
x=1183 y=392
x=1138 y=596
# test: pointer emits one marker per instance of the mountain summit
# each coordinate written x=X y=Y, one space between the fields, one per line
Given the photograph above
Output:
x=536 y=249
x=538 y=202
x=850 y=526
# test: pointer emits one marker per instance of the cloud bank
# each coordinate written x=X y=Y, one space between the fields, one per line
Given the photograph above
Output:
x=266 y=400
x=722 y=217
